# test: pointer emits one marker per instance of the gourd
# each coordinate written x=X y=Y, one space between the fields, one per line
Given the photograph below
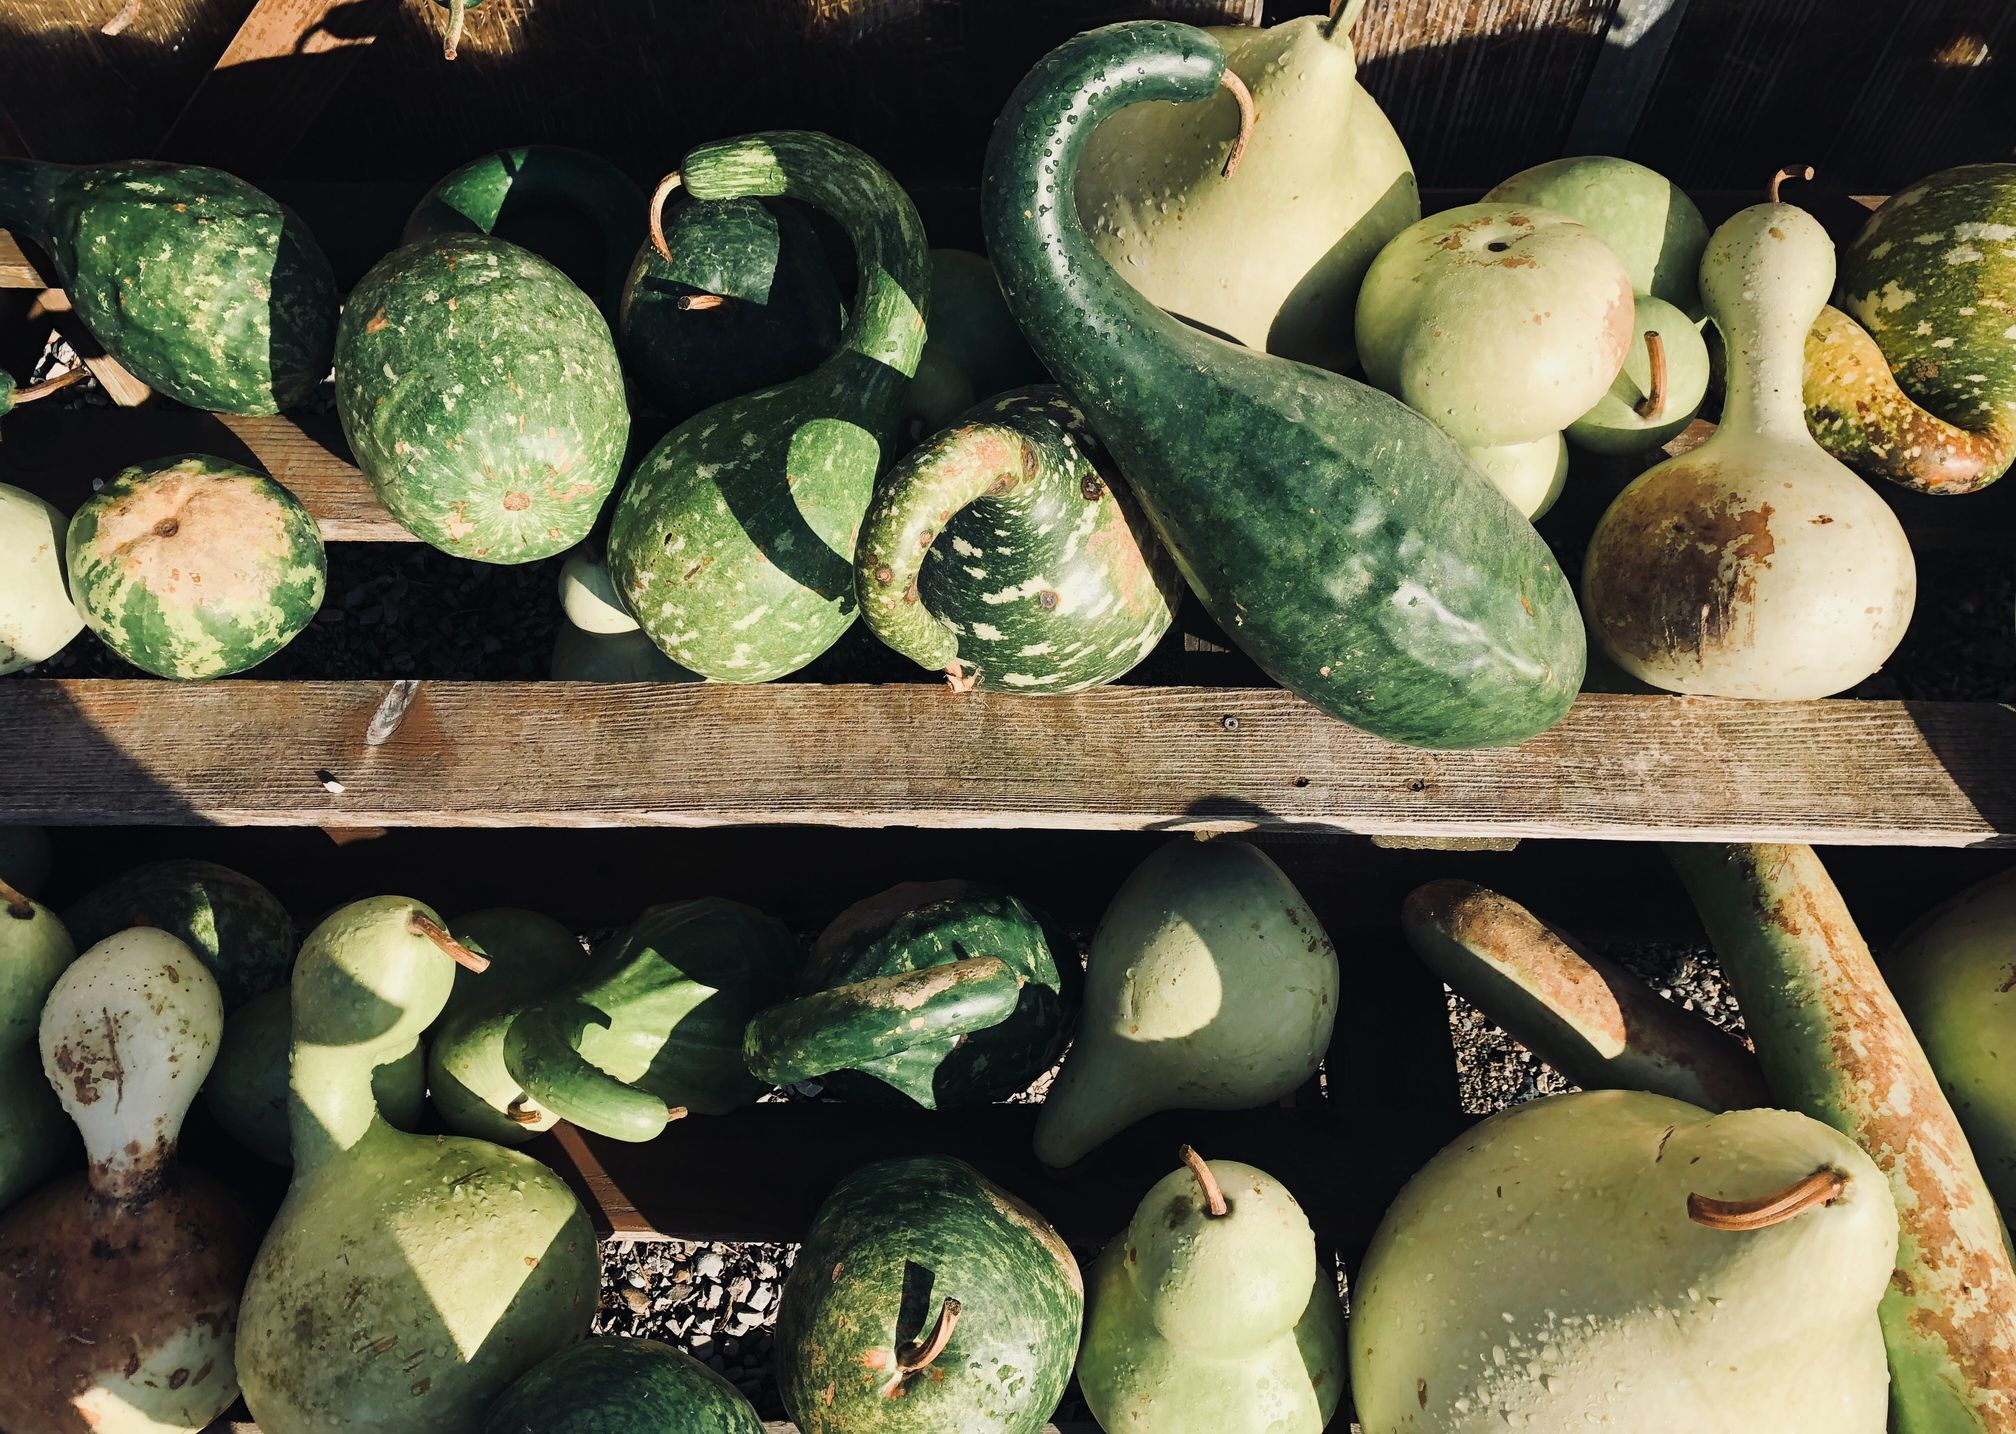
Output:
x=208 y=290
x=37 y=618
x=1270 y=257
x=1658 y=390
x=119 y=1287
x=195 y=567
x=34 y=951
x=611 y=657
x=744 y=301
x=589 y=598
x=1755 y=565
x=529 y=955
x=1044 y=578
x=451 y=29
x=235 y=926
x=733 y=543
x=407 y=1279
x=478 y=387
x=939 y=994
x=652 y=1029
x=973 y=350
x=925 y=1299
x=622 y=1386
x=1647 y=220
x=1339 y=538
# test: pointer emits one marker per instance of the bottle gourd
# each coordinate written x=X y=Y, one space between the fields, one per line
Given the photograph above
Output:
x=34 y=950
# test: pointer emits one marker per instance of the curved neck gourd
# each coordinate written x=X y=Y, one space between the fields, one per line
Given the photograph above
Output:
x=1764 y=280
x=27 y=195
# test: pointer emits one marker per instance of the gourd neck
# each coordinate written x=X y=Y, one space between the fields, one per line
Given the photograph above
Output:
x=1764 y=385
x=334 y=1109
x=27 y=189
x=1765 y=277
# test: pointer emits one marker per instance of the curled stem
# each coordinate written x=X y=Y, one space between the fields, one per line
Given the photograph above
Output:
x=918 y=1355
x=51 y=385
x=675 y=1112
x=958 y=678
x=1822 y=1187
x=451 y=39
x=18 y=906
x=658 y=197
x=1790 y=171
x=1654 y=402
x=1214 y=1198
x=1248 y=117
x=434 y=931
x=521 y=1113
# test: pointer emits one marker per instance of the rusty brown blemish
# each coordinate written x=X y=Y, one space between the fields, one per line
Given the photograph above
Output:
x=377 y=323
x=516 y=502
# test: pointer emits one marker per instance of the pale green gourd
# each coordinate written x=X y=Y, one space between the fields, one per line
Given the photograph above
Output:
x=37 y=617
x=407 y=1279
x=1755 y=565
x=529 y=955
x=34 y=950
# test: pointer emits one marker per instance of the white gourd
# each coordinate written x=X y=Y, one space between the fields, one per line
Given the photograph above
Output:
x=36 y=615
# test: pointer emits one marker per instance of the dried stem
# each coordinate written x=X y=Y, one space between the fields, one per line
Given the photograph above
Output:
x=128 y=13
x=1214 y=1198
x=51 y=385
x=1343 y=15
x=658 y=197
x=698 y=301
x=958 y=678
x=18 y=906
x=1654 y=402
x=1248 y=117
x=433 y=930
x=451 y=39
x=1822 y=1187
x=675 y=1112
x=1790 y=171
x=914 y=1357
x=522 y=1114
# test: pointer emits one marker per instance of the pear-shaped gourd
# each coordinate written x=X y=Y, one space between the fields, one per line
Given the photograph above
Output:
x=210 y=291
x=35 y=949
x=733 y=543
x=1647 y=220
x=1044 y=578
x=1621 y=1260
x=1657 y=392
x=37 y=618
x=1338 y=537
x=622 y=1386
x=235 y=926
x=1755 y=565
x=1530 y=475
x=529 y=955
x=1271 y=257
x=407 y=1279
x=119 y=1288
x=1210 y=986
x=1210 y=1313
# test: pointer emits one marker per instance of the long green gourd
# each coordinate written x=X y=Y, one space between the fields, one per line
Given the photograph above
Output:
x=734 y=542
x=210 y=291
x=34 y=950
x=1338 y=537
x=1835 y=1045
x=407 y=1279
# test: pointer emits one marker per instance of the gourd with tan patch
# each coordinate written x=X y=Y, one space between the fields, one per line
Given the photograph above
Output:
x=1755 y=565
x=119 y=1287
x=195 y=567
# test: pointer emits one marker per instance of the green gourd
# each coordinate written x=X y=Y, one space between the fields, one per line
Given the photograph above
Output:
x=733 y=543
x=926 y=1299
x=34 y=950
x=1044 y=579
x=210 y=291
x=1338 y=537
x=529 y=956
x=1647 y=220
x=235 y=926
x=938 y=994
x=652 y=1028
x=37 y=618
x=973 y=349
x=622 y=1386
x=407 y=1279
x=195 y=567
x=1755 y=565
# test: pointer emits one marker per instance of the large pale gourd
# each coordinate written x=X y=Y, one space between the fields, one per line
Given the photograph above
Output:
x=37 y=618
x=1271 y=257
x=34 y=950
x=1619 y=1260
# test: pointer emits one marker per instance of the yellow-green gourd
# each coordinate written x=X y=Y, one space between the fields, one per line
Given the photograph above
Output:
x=34 y=950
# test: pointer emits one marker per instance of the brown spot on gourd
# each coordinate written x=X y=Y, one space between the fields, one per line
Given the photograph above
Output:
x=516 y=502
x=377 y=322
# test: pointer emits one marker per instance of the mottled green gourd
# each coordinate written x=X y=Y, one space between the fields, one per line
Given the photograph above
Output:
x=208 y=290
x=34 y=950
x=235 y=926
x=1045 y=578
x=926 y=1299
x=622 y=1386
x=37 y=618
x=1342 y=540
x=652 y=1028
x=734 y=542
x=464 y=1263
x=937 y=994
x=973 y=349
x=529 y=955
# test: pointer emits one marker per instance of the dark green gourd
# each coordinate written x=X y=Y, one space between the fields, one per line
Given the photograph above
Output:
x=210 y=291
x=529 y=955
x=235 y=926
x=733 y=544
x=622 y=1386
x=1342 y=540
x=1045 y=578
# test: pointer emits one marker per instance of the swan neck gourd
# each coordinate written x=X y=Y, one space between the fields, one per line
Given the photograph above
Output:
x=27 y=197
x=1765 y=277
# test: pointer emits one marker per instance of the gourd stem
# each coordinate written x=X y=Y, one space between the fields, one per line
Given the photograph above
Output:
x=128 y=13
x=51 y=385
x=1248 y=117
x=1214 y=1198
x=1790 y=171
x=689 y=302
x=658 y=197
x=1822 y=1187
x=1654 y=402
x=519 y=1113
x=1343 y=15
x=18 y=906
x=451 y=40
x=433 y=931
x=914 y=1357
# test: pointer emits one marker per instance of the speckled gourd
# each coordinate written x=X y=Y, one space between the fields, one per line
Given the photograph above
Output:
x=119 y=1286
x=37 y=618
x=407 y=1279
x=607 y=1385
x=733 y=543
x=1755 y=565
x=208 y=290
x=529 y=956
x=1045 y=576
x=35 y=949
x=236 y=927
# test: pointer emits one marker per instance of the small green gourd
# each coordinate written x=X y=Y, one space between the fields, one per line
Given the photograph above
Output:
x=407 y=1280
x=733 y=543
x=34 y=950
x=973 y=349
x=529 y=955
x=622 y=1386
x=235 y=926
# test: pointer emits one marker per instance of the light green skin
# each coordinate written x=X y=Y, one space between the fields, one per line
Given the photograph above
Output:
x=1954 y=973
x=1614 y=425
x=1196 y=1325
x=1646 y=219
x=235 y=926
x=194 y=567
x=1530 y=475
x=37 y=618
x=618 y=657
x=530 y=954
x=973 y=350
x=622 y=1386
x=464 y=1263
x=1210 y=986
x=35 y=1136
x=733 y=543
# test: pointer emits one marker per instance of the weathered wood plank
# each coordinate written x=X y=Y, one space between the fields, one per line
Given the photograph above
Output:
x=1124 y=758
x=17 y=270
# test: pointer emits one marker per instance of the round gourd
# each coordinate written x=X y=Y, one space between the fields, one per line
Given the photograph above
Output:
x=194 y=567
x=35 y=949
x=1631 y=417
x=235 y=926
x=973 y=350
x=1530 y=475
x=1647 y=220
x=37 y=618
x=622 y=1386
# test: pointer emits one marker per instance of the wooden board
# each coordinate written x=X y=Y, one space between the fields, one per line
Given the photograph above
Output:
x=100 y=752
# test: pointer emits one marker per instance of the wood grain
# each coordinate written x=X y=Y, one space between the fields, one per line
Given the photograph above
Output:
x=87 y=752
x=18 y=270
